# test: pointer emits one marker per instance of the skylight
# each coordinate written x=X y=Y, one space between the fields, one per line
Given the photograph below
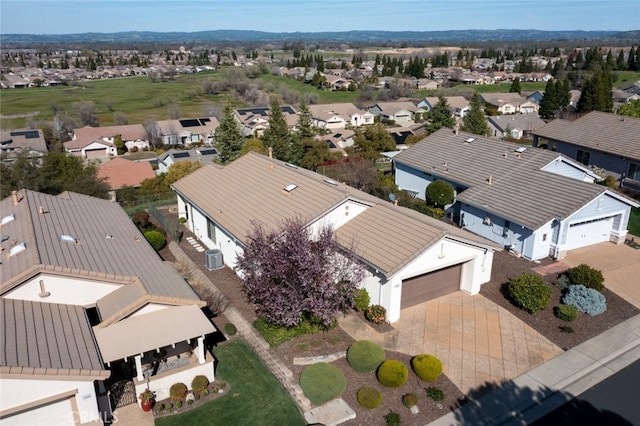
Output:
x=469 y=140
x=521 y=149
x=68 y=238
x=8 y=218
x=290 y=187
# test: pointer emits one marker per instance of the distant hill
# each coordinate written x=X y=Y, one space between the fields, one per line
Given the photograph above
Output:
x=458 y=36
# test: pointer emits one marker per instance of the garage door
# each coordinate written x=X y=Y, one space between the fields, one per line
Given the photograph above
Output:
x=96 y=153
x=429 y=286
x=586 y=233
x=56 y=413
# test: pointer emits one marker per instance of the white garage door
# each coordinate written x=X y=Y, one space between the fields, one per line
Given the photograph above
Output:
x=583 y=234
x=96 y=153
x=57 y=413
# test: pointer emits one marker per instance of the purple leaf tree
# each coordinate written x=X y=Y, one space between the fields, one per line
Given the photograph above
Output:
x=290 y=274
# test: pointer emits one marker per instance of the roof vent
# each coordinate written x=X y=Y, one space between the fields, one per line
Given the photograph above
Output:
x=290 y=187
x=8 y=219
x=469 y=140
x=68 y=238
x=17 y=249
x=330 y=181
x=292 y=166
x=521 y=149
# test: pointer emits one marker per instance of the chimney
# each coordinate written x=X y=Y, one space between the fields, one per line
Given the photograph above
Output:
x=490 y=180
x=455 y=130
x=14 y=197
x=395 y=202
x=40 y=210
x=270 y=153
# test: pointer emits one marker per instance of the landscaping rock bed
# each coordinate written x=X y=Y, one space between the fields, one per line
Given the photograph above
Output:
x=167 y=407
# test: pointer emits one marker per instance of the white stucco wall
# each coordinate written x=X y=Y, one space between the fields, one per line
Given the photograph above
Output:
x=65 y=290
x=338 y=216
x=16 y=392
x=161 y=383
x=149 y=307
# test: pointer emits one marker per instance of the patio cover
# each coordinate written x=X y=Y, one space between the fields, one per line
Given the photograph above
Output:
x=141 y=333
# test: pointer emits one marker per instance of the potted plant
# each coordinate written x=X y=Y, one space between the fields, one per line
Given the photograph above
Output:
x=146 y=399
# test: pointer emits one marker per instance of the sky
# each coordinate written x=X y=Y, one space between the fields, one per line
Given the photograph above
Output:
x=105 y=16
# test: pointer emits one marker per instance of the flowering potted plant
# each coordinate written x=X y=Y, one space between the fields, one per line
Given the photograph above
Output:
x=146 y=399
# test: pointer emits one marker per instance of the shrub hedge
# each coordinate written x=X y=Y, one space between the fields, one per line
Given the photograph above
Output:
x=586 y=276
x=156 y=239
x=587 y=300
x=322 y=382
x=427 y=367
x=392 y=373
x=199 y=383
x=562 y=282
x=376 y=314
x=365 y=356
x=566 y=312
x=361 y=299
x=530 y=292
x=369 y=397
x=435 y=393
x=230 y=329
x=177 y=391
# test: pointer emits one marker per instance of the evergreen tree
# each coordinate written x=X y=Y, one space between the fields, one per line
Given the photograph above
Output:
x=440 y=116
x=548 y=103
x=515 y=86
x=621 y=64
x=596 y=93
x=474 y=121
x=229 y=138
x=277 y=135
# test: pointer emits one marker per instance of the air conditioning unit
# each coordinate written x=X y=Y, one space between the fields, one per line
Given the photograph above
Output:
x=213 y=259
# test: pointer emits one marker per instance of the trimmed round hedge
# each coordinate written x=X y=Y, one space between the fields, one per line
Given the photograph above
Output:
x=530 y=292
x=199 y=383
x=178 y=391
x=392 y=373
x=369 y=397
x=427 y=367
x=156 y=239
x=322 y=382
x=365 y=356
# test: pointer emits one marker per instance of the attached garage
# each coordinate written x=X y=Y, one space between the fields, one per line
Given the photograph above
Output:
x=60 y=412
x=428 y=286
x=96 y=153
x=589 y=232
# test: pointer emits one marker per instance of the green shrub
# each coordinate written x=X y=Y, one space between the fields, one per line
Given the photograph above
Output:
x=435 y=393
x=365 y=356
x=141 y=219
x=169 y=406
x=189 y=401
x=566 y=312
x=392 y=419
x=409 y=400
x=376 y=314
x=156 y=239
x=230 y=329
x=177 y=391
x=566 y=329
x=529 y=292
x=276 y=335
x=369 y=397
x=199 y=383
x=392 y=373
x=427 y=367
x=322 y=382
x=160 y=407
x=178 y=404
x=586 y=276
x=562 y=282
x=587 y=300
x=361 y=299
x=439 y=193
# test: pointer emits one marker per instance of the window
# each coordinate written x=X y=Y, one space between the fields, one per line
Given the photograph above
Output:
x=211 y=231
x=505 y=228
x=583 y=157
x=634 y=171
x=544 y=237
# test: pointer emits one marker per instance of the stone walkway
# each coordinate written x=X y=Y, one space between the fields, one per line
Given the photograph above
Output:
x=248 y=332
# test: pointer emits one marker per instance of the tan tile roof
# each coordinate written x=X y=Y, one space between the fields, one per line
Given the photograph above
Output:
x=326 y=111
x=600 y=131
x=129 y=132
x=121 y=172
x=48 y=339
x=251 y=189
x=81 y=143
x=453 y=101
x=109 y=246
x=503 y=98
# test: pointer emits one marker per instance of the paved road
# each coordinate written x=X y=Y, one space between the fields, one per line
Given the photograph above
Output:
x=614 y=401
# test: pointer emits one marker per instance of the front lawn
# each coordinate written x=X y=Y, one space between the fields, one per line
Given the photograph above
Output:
x=255 y=396
x=634 y=222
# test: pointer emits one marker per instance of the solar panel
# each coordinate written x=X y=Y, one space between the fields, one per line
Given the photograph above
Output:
x=205 y=121
x=181 y=155
x=208 y=151
x=28 y=134
x=189 y=123
x=337 y=135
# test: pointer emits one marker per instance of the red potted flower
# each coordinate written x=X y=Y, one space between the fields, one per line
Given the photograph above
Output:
x=146 y=399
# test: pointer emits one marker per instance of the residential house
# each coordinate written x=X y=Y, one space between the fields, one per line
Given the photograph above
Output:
x=401 y=113
x=254 y=121
x=202 y=155
x=12 y=81
x=409 y=257
x=534 y=202
x=188 y=131
x=339 y=116
x=426 y=84
x=510 y=103
x=339 y=140
x=458 y=104
x=514 y=126
x=23 y=140
x=99 y=142
x=598 y=140
x=91 y=315
x=120 y=172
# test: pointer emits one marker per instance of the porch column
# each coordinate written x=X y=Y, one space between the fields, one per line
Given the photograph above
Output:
x=200 y=350
x=139 y=375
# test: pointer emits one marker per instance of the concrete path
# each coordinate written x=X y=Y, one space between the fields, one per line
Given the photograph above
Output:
x=132 y=415
x=550 y=385
x=476 y=340
x=619 y=263
x=248 y=332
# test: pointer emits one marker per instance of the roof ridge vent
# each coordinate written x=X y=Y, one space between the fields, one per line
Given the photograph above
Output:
x=330 y=181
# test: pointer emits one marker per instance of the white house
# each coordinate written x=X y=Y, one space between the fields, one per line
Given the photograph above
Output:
x=410 y=257
x=339 y=116
x=99 y=142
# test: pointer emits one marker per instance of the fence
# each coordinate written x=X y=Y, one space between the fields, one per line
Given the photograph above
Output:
x=167 y=222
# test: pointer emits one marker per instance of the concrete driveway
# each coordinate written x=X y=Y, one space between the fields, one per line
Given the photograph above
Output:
x=619 y=263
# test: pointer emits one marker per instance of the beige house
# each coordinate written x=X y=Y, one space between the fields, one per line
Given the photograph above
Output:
x=510 y=103
x=86 y=299
x=339 y=116
x=99 y=142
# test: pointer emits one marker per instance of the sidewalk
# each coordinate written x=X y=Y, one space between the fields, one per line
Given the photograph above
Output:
x=548 y=386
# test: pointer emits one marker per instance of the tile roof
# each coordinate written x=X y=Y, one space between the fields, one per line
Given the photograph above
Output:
x=108 y=245
x=49 y=339
x=526 y=122
x=453 y=101
x=503 y=98
x=129 y=132
x=24 y=139
x=252 y=189
x=326 y=111
x=520 y=191
x=121 y=172
x=611 y=133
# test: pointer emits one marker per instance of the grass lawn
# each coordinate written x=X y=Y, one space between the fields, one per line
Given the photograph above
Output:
x=634 y=222
x=255 y=397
